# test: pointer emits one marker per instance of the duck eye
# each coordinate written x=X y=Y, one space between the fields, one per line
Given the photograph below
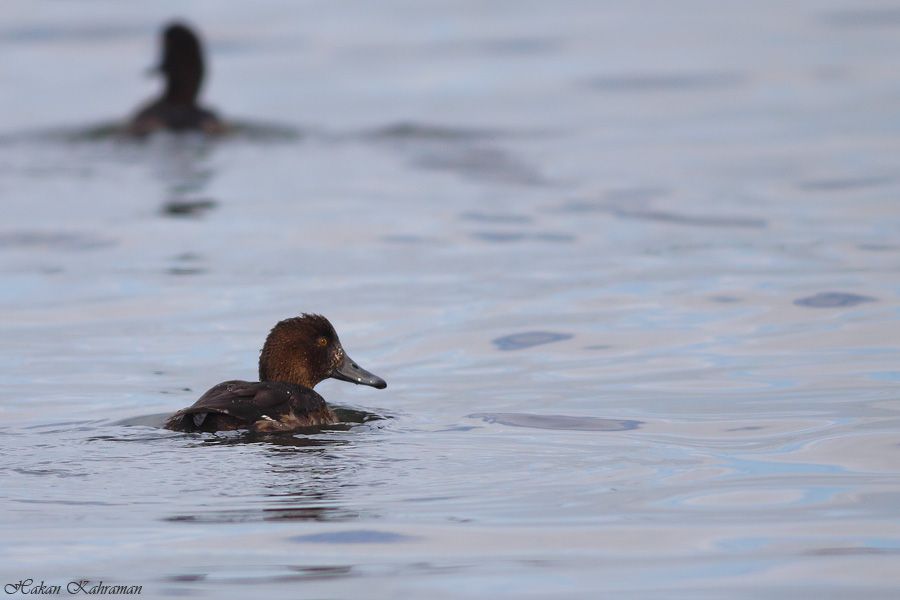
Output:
x=322 y=341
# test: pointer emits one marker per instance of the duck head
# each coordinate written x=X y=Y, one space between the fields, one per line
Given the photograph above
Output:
x=305 y=350
x=182 y=64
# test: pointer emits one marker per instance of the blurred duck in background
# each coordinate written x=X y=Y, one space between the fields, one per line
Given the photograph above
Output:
x=177 y=108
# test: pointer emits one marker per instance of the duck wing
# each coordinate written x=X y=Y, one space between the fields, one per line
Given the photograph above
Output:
x=236 y=405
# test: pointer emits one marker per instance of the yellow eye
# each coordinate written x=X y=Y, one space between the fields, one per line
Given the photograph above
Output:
x=322 y=341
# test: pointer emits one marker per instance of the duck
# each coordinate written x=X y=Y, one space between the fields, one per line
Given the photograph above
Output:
x=298 y=353
x=177 y=109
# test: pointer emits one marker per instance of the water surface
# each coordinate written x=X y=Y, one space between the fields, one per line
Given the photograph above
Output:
x=631 y=273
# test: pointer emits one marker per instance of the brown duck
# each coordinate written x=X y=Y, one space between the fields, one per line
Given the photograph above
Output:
x=298 y=353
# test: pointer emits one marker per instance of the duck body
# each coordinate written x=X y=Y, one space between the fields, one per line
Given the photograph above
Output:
x=162 y=115
x=259 y=406
x=299 y=353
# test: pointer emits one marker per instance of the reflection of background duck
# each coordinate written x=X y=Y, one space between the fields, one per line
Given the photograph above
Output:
x=177 y=108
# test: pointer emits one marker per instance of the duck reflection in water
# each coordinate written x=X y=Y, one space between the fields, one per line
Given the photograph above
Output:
x=298 y=478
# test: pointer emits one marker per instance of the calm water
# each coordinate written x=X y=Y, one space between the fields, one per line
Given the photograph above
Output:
x=630 y=271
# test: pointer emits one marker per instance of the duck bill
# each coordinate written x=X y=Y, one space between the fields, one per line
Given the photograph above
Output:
x=348 y=370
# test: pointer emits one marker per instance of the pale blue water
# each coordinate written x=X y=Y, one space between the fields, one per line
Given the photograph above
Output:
x=631 y=273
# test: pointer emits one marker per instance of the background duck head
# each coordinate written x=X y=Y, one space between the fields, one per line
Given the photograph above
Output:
x=182 y=64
